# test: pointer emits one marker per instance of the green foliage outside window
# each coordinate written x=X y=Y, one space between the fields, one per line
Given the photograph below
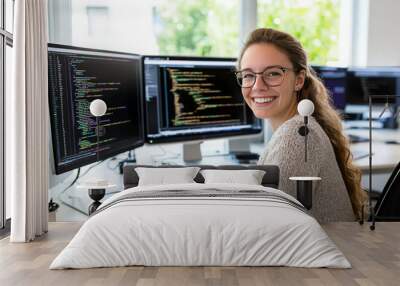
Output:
x=315 y=23
x=211 y=27
x=197 y=27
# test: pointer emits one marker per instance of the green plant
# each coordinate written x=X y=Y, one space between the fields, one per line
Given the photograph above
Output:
x=211 y=27
x=315 y=23
x=197 y=27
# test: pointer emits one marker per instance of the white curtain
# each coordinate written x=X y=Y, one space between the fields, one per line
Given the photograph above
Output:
x=27 y=123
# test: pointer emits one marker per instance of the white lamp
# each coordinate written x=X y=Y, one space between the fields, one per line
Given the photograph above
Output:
x=305 y=108
x=97 y=108
x=96 y=187
x=304 y=184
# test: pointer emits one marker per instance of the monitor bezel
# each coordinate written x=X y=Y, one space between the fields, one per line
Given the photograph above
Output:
x=59 y=169
x=192 y=137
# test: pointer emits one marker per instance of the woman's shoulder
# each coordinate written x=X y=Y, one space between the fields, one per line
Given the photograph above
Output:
x=289 y=132
x=286 y=145
x=291 y=126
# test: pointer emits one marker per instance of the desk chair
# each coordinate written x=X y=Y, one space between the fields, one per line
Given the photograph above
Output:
x=387 y=207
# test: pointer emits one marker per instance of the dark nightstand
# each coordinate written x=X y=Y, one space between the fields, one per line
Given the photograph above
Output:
x=96 y=192
x=304 y=189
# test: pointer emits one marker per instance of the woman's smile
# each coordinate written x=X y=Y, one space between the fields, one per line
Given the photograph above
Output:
x=263 y=101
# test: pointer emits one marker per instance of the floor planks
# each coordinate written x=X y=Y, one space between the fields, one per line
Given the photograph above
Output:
x=375 y=257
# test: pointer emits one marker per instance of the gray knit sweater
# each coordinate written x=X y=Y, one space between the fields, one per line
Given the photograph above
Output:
x=331 y=201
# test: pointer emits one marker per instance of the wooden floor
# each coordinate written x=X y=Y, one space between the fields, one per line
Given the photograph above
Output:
x=375 y=257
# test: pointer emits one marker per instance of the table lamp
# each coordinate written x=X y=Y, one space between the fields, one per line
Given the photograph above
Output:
x=304 y=184
x=97 y=187
x=305 y=109
x=97 y=108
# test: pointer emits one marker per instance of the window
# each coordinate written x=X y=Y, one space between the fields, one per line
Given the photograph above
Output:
x=179 y=27
x=315 y=23
x=197 y=27
x=6 y=41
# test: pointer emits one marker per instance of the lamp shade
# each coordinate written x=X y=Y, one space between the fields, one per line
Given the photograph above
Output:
x=98 y=107
x=305 y=107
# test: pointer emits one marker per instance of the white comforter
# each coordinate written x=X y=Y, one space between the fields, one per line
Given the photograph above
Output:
x=200 y=231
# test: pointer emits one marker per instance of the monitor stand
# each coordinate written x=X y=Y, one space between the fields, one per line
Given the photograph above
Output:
x=191 y=152
x=239 y=145
x=240 y=148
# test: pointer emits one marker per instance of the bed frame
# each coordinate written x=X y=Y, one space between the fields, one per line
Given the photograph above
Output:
x=270 y=179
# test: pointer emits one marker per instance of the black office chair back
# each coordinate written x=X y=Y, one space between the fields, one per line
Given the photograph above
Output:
x=387 y=207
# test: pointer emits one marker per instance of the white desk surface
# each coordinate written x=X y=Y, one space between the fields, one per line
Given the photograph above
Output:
x=385 y=156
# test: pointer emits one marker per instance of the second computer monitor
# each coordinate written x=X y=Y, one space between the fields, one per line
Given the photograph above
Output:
x=381 y=83
x=334 y=79
x=190 y=98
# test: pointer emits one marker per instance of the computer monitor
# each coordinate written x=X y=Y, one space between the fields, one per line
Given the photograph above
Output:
x=77 y=76
x=334 y=79
x=194 y=98
x=375 y=81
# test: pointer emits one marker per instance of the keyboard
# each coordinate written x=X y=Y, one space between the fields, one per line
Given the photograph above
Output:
x=357 y=139
x=245 y=156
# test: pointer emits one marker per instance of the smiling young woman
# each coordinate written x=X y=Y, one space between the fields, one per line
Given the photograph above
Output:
x=274 y=76
x=270 y=94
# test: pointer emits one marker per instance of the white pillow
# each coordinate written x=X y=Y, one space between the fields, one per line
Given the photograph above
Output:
x=248 y=177
x=163 y=176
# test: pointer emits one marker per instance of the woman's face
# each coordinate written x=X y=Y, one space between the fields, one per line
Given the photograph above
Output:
x=277 y=102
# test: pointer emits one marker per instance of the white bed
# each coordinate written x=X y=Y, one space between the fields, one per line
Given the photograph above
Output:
x=271 y=229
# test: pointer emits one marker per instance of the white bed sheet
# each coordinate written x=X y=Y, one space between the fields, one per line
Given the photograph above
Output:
x=200 y=231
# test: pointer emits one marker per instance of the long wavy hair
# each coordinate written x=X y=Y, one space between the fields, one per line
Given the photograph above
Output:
x=324 y=112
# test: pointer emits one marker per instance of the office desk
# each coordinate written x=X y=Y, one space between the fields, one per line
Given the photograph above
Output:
x=385 y=156
x=384 y=160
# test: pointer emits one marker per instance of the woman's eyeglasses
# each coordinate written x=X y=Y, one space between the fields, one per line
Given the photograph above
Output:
x=272 y=76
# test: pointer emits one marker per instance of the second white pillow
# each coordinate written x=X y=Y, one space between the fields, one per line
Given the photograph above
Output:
x=163 y=176
x=248 y=177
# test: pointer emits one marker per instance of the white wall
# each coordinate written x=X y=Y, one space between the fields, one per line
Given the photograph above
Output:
x=248 y=19
x=376 y=36
x=384 y=35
